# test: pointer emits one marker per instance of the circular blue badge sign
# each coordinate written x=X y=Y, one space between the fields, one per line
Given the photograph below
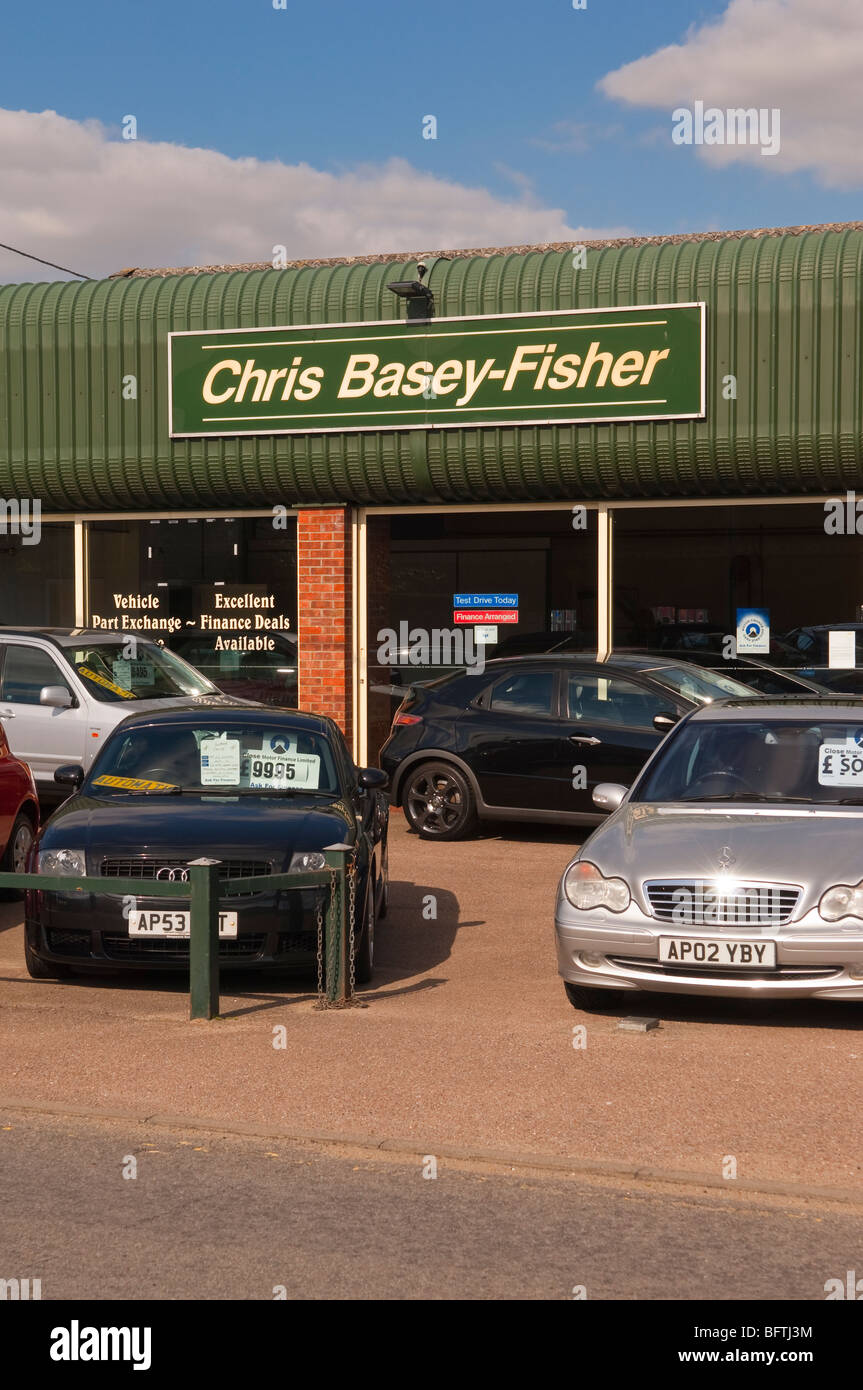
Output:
x=753 y=630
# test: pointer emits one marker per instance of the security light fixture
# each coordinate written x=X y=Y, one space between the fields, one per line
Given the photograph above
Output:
x=410 y=289
x=419 y=297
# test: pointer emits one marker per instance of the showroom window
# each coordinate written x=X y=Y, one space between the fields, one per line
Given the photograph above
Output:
x=684 y=577
x=37 y=582
x=220 y=592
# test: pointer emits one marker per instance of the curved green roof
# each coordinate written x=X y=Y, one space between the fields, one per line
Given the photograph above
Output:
x=783 y=317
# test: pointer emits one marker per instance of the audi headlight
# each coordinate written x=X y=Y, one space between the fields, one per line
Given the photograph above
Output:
x=587 y=888
x=842 y=900
x=307 y=862
x=62 y=861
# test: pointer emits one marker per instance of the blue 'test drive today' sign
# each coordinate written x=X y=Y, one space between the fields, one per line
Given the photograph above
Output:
x=485 y=600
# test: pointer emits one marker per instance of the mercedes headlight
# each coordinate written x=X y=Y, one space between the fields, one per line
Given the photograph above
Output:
x=587 y=888
x=72 y=862
x=842 y=900
x=307 y=862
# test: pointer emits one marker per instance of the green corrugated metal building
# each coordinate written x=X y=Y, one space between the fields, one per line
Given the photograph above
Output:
x=632 y=530
x=783 y=320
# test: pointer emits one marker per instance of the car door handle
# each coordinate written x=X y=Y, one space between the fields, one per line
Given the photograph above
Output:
x=579 y=738
x=7 y=714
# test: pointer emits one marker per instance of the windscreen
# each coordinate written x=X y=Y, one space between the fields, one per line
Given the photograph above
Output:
x=699 y=685
x=760 y=760
x=218 y=756
x=153 y=673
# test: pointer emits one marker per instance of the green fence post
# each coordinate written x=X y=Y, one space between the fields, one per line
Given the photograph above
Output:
x=337 y=932
x=204 y=939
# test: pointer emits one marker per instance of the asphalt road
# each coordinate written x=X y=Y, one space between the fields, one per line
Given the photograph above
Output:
x=216 y=1217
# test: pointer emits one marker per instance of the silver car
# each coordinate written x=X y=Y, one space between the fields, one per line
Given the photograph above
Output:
x=733 y=866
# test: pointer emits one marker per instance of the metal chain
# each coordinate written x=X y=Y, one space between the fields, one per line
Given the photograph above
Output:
x=319 y=914
x=319 y=917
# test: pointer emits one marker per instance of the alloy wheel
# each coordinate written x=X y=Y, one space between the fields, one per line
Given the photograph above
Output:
x=435 y=802
x=21 y=848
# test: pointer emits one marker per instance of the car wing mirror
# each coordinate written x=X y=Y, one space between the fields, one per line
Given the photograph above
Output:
x=69 y=775
x=55 y=695
x=663 y=722
x=607 y=796
x=372 y=779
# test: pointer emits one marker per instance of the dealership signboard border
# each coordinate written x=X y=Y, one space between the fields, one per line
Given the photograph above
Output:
x=426 y=330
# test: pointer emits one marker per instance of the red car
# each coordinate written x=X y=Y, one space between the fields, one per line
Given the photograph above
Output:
x=19 y=813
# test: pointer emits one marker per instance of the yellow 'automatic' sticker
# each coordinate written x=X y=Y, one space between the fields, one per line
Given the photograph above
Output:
x=134 y=784
x=103 y=680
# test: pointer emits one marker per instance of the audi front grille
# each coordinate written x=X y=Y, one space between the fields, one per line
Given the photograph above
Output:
x=149 y=869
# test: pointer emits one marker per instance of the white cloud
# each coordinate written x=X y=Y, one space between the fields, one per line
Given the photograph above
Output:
x=802 y=56
x=97 y=204
x=575 y=137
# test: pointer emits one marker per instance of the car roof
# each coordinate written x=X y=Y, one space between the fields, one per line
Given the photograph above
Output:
x=630 y=661
x=710 y=658
x=72 y=636
x=796 y=707
x=180 y=716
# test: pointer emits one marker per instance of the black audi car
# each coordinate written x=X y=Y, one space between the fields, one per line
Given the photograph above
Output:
x=530 y=737
x=263 y=791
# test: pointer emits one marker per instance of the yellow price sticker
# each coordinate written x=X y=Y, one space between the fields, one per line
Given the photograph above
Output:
x=103 y=680
x=134 y=784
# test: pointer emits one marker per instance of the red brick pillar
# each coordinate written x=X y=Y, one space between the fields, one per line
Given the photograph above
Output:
x=380 y=705
x=324 y=613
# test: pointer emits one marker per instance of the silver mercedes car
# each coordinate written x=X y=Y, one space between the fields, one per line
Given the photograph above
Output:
x=732 y=866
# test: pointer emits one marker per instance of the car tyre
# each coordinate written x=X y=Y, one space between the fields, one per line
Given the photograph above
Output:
x=438 y=802
x=587 y=999
x=364 y=960
x=39 y=969
x=14 y=861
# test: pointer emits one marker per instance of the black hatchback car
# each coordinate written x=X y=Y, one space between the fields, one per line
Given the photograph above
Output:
x=263 y=791
x=529 y=738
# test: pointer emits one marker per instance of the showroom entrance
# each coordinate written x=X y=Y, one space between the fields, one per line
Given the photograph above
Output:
x=425 y=570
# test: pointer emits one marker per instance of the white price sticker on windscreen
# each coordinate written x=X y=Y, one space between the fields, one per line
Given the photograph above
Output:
x=220 y=762
x=840 y=765
x=131 y=673
x=278 y=770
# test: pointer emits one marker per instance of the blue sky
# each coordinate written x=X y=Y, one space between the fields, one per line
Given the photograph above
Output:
x=338 y=88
